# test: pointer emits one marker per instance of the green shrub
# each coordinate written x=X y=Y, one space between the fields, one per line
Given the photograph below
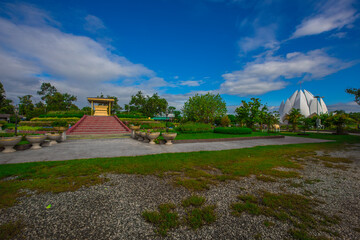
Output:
x=170 y=124
x=153 y=125
x=64 y=114
x=3 y=122
x=232 y=130
x=60 y=123
x=191 y=127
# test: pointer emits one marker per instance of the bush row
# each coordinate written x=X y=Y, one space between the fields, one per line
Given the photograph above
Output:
x=130 y=116
x=191 y=127
x=153 y=125
x=57 y=123
x=232 y=130
x=68 y=119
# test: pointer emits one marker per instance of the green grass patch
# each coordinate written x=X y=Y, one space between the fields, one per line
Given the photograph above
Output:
x=164 y=219
x=296 y=209
x=198 y=217
x=195 y=201
x=265 y=178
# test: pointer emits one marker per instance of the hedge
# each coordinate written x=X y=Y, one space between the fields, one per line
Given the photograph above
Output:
x=191 y=127
x=232 y=130
x=68 y=119
x=153 y=125
x=130 y=116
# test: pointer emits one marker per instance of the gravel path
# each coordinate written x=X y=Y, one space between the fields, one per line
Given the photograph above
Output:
x=113 y=210
x=96 y=148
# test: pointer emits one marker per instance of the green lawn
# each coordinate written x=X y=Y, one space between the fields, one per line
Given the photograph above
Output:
x=327 y=136
x=183 y=136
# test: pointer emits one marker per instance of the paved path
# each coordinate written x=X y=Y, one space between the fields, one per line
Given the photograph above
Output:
x=96 y=148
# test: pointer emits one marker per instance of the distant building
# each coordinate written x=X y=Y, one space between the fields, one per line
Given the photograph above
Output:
x=305 y=102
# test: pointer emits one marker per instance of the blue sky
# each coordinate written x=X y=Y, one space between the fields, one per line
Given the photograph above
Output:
x=238 y=48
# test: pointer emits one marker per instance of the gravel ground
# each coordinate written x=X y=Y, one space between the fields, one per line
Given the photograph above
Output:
x=113 y=210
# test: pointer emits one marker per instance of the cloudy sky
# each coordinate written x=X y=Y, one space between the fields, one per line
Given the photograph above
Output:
x=238 y=48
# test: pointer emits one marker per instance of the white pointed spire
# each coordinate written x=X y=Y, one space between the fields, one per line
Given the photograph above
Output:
x=305 y=102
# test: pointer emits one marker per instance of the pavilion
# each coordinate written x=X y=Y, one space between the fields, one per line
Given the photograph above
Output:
x=103 y=108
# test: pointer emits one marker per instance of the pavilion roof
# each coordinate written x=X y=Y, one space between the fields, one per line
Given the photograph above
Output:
x=100 y=100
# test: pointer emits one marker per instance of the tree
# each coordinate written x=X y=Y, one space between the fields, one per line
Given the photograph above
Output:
x=355 y=92
x=5 y=104
x=148 y=106
x=225 y=121
x=56 y=101
x=26 y=106
x=204 y=108
x=271 y=118
x=171 y=109
x=340 y=119
x=306 y=123
x=251 y=112
x=356 y=117
x=294 y=117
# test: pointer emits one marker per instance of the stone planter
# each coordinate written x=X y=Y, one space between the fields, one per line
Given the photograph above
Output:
x=9 y=143
x=143 y=136
x=35 y=140
x=138 y=134
x=169 y=137
x=152 y=136
x=133 y=132
x=62 y=129
x=53 y=137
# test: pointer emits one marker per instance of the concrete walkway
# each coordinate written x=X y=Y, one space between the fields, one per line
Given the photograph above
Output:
x=101 y=148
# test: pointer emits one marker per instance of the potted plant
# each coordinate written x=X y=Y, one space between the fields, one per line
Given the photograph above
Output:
x=168 y=136
x=35 y=140
x=53 y=137
x=152 y=136
x=9 y=143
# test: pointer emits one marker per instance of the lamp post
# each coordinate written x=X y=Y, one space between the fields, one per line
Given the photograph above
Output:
x=317 y=112
x=16 y=110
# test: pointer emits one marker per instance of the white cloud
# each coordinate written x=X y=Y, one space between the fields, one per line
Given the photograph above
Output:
x=270 y=73
x=93 y=23
x=264 y=38
x=39 y=52
x=347 y=107
x=191 y=83
x=335 y=14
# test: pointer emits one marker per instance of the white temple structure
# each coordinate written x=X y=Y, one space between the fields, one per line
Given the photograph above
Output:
x=305 y=102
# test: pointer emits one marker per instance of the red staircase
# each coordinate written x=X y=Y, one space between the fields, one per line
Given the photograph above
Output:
x=89 y=125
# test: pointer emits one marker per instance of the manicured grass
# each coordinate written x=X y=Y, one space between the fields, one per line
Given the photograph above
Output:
x=185 y=136
x=327 y=136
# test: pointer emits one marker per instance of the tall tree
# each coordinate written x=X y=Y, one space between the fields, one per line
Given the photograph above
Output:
x=148 y=106
x=355 y=92
x=56 y=101
x=204 y=108
x=251 y=112
x=26 y=106
x=340 y=119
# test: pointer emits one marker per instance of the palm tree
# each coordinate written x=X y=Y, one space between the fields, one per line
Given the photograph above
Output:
x=294 y=117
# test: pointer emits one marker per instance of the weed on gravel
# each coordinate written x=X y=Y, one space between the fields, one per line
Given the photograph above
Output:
x=295 y=209
x=164 y=219
x=196 y=215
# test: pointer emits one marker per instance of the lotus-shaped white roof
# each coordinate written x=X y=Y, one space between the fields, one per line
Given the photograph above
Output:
x=305 y=102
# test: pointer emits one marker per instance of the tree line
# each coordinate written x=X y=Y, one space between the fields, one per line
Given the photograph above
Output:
x=206 y=108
